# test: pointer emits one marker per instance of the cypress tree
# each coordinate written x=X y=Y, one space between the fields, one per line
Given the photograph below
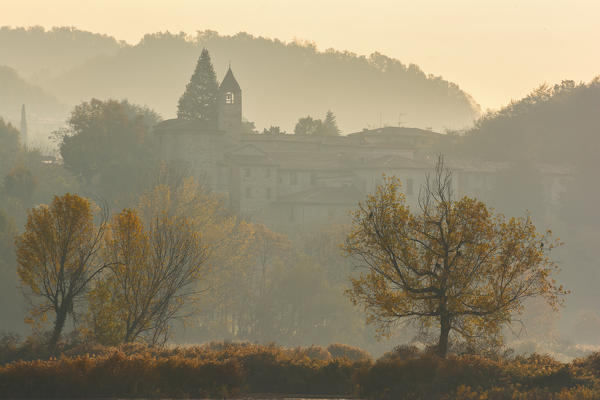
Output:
x=330 y=127
x=199 y=101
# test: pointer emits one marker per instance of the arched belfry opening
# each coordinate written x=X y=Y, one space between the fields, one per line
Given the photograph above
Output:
x=229 y=98
x=230 y=104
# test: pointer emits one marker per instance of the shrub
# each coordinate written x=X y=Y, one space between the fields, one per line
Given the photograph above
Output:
x=224 y=370
x=338 y=350
x=403 y=352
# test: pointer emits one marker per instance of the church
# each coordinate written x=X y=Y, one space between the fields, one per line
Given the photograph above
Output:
x=297 y=182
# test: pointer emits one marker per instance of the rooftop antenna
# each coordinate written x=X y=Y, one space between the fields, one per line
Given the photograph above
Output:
x=400 y=114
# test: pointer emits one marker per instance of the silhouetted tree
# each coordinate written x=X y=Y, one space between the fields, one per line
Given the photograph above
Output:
x=20 y=183
x=9 y=145
x=273 y=130
x=199 y=101
x=107 y=144
x=11 y=313
x=330 y=127
x=308 y=126
x=7 y=233
x=248 y=127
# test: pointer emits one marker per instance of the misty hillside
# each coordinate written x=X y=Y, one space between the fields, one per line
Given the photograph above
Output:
x=280 y=82
x=16 y=91
x=554 y=131
x=554 y=123
x=40 y=54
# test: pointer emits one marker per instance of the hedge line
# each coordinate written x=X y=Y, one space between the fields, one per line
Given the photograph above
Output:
x=233 y=370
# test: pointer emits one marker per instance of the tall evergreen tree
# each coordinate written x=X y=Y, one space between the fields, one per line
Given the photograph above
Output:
x=199 y=101
x=330 y=127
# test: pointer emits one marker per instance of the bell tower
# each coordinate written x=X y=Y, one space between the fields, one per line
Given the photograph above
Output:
x=230 y=105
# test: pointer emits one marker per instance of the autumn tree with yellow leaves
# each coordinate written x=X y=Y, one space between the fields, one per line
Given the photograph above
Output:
x=58 y=257
x=158 y=256
x=454 y=266
x=152 y=272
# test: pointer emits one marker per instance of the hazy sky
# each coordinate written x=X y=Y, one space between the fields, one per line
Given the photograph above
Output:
x=497 y=50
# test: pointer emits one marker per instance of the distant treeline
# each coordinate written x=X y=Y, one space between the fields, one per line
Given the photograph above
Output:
x=280 y=80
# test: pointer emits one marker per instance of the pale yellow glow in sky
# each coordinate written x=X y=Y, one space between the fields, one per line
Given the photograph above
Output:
x=496 y=50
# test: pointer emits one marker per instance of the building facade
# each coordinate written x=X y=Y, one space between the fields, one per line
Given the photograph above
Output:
x=297 y=182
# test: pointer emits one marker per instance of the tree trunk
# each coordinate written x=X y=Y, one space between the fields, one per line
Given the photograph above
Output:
x=59 y=324
x=442 y=347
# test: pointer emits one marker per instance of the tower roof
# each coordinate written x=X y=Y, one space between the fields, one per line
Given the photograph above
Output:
x=229 y=83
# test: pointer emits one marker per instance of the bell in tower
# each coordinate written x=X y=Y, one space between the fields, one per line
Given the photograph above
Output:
x=230 y=105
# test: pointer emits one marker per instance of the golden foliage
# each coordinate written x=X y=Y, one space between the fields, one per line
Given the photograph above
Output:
x=228 y=370
x=57 y=257
x=153 y=270
x=454 y=265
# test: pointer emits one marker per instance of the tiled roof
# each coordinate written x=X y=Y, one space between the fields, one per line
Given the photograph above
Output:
x=229 y=82
x=394 y=131
x=176 y=125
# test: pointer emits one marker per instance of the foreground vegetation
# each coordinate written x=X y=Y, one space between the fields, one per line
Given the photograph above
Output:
x=230 y=370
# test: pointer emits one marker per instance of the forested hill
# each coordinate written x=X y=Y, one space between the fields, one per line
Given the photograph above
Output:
x=551 y=137
x=280 y=81
x=15 y=91
x=553 y=124
x=40 y=54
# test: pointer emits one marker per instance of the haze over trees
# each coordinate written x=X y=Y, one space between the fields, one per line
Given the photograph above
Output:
x=260 y=285
x=554 y=123
x=107 y=144
x=155 y=71
x=41 y=53
x=553 y=131
x=17 y=91
x=453 y=265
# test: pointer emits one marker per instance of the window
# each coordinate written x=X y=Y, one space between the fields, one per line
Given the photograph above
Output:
x=409 y=186
x=248 y=193
x=229 y=98
x=247 y=172
x=293 y=178
x=269 y=193
x=291 y=216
